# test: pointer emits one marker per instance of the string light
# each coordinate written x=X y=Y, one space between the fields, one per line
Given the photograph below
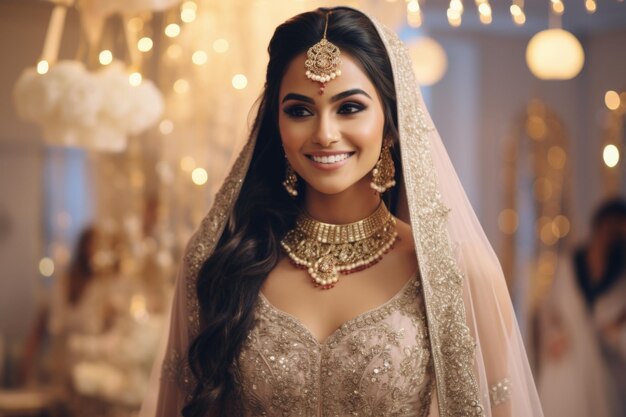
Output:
x=612 y=100
x=42 y=67
x=484 y=11
x=610 y=155
x=135 y=78
x=187 y=15
x=199 y=176
x=517 y=12
x=172 y=30
x=557 y=7
x=144 y=44
x=591 y=6
x=46 y=267
x=455 y=12
x=240 y=81
x=105 y=57
x=199 y=58
x=414 y=13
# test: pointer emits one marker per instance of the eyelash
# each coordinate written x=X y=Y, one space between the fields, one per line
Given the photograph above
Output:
x=297 y=110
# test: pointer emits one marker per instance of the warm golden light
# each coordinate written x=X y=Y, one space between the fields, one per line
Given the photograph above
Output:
x=412 y=6
x=135 y=79
x=240 y=81
x=172 y=30
x=174 y=51
x=591 y=6
x=558 y=7
x=199 y=176
x=220 y=45
x=187 y=15
x=612 y=100
x=508 y=221
x=46 y=267
x=144 y=44
x=519 y=19
x=105 y=57
x=610 y=155
x=187 y=163
x=454 y=18
x=555 y=54
x=42 y=67
x=166 y=127
x=414 y=20
x=189 y=5
x=456 y=6
x=199 y=58
x=181 y=86
x=560 y=226
x=429 y=60
x=556 y=157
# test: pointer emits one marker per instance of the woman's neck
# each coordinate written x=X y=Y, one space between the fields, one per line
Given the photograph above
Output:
x=351 y=205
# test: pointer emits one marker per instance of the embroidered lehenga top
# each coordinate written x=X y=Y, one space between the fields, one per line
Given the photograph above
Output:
x=376 y=364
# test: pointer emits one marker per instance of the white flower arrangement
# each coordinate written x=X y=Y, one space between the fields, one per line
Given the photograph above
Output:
x=96 y=110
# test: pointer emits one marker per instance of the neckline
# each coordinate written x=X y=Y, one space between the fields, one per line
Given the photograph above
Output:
x=305 y=332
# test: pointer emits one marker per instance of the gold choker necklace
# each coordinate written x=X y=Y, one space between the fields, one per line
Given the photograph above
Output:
x=325 y=250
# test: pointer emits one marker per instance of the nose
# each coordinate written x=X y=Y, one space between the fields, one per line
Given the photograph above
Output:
x=326 y=133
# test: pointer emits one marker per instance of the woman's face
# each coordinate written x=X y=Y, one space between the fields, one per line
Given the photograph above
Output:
x=331 y=140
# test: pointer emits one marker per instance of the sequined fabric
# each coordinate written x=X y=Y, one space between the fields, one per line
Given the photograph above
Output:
x=376 y=364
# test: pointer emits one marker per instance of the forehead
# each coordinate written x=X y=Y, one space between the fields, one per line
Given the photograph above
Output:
x=352 y=76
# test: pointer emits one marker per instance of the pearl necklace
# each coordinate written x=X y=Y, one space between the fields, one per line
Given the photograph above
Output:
x=325 y=250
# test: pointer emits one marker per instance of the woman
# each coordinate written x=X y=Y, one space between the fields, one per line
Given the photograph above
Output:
x=283 y=309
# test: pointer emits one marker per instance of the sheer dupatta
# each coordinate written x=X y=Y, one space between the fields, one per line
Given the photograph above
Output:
x=480 y=363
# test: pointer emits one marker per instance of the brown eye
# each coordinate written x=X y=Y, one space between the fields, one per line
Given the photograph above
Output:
x=350 y=108
x=297 y=111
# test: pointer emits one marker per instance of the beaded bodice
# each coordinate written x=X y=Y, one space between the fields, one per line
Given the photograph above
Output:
x=376 y=364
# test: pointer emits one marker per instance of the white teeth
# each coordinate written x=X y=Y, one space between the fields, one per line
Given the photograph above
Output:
x=330 y=159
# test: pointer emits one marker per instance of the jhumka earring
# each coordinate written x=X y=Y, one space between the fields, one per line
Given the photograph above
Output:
x=322 y=61
x=383 y=174
x=291 y=180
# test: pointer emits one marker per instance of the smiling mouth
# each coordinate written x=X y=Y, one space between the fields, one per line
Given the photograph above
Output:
x=330 y=159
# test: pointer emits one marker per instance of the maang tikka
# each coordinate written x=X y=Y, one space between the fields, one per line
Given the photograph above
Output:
x=322 y=60
x=384 y=172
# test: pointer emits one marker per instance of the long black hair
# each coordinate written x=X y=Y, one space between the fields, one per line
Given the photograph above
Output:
x=249 y=248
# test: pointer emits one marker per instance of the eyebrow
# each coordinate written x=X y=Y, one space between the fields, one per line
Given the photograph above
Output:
x=344 y=94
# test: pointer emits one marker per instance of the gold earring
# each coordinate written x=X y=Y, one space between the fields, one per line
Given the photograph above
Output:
x=383 y=174
x=291 y=180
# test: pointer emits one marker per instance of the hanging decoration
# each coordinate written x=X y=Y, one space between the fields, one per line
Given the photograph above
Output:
x=555 y=54
x=78 y=104
x=96 y=110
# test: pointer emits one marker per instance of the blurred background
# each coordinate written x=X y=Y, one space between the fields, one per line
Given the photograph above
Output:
x=119 y=120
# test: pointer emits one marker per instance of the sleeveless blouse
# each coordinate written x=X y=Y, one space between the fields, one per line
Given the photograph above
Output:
x=376 y=364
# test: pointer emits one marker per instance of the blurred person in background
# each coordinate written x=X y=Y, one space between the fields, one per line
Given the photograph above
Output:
x=583 y=324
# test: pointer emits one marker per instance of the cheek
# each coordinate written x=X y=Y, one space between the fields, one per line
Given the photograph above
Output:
x=293 y=135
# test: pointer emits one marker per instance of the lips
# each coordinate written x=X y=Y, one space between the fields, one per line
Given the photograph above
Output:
x=330 y=158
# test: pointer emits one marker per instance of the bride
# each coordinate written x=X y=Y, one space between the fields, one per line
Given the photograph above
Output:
x=341 y=270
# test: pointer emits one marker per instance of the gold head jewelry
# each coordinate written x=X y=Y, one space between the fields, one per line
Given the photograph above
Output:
x=383 y=174
x=322 y=60
x=326 y=250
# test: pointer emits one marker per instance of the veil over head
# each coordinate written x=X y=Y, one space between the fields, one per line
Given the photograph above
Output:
x=479 y=358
